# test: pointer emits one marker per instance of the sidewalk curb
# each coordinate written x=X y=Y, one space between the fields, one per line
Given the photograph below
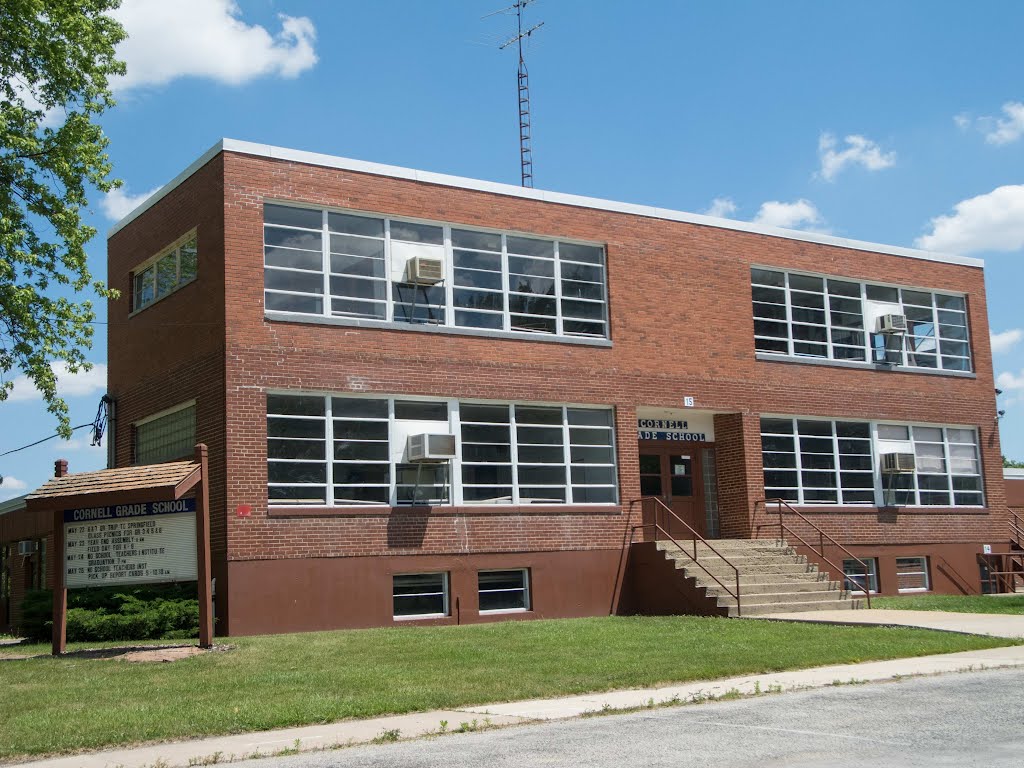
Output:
x=224 y=749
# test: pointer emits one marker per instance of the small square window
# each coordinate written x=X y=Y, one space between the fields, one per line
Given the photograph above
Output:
x=912 y=574
x=855 y=575
x=502 y=591
x=420 y=595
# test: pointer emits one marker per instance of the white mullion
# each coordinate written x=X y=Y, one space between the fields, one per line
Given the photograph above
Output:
x=567 y=454
x=913 y=450
x=325 y=263
x=392 y=464
x=329 y=449
x=455 y=466
x=799 y=463
x=389 y=314
x=835 y=458
x=789 y=325
x=513 y=434
x=449 y=277
x=826 y=302
x=505 y=283
x=949 y=466
x=939 y=366
x=558 y=294
x=868 y=348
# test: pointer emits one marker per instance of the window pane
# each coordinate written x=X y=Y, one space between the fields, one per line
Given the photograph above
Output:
x=355 y=225
x=410 y=232
x=292 y=217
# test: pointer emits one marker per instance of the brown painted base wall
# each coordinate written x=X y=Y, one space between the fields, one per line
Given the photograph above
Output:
x=310 y=594
x=653 y=586
x=952 y=568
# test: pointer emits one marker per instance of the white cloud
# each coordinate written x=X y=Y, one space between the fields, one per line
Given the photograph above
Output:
x=206 y=38
x=801 y=214
x=1001 y=342
x=1010 y=381
x=9 y=483
x=989 y=222
x=117 y=203
x=722 y=207
x=68 y=384
x=859 y=151
x=1005 y=130
x=963 y=121
x=73 y=446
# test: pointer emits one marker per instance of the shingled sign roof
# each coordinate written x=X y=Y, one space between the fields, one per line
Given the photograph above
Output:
x=124 y=485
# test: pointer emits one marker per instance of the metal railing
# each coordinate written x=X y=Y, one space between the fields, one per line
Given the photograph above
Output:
x=1016 y=530
x=1011 y=569
x=820 y=552
x=660 y=510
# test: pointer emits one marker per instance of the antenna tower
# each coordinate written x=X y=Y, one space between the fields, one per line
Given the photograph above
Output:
x=525 y=150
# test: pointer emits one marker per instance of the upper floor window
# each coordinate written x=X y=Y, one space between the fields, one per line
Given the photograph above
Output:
x=348 y=265
x=167 y=435
x=836 y=319
x=165 y=273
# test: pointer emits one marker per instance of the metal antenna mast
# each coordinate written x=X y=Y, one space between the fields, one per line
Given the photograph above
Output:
x=525 y=128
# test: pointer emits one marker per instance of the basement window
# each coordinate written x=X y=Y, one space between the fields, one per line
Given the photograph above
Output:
x=854 y=573
x=420 y=595
x=504 y=591
x=912 y=574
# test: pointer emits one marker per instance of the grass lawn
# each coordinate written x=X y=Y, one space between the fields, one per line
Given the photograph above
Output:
x=957 y=603
x=59 y=705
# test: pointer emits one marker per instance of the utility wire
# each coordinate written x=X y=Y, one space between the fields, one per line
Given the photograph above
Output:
x=37 y=442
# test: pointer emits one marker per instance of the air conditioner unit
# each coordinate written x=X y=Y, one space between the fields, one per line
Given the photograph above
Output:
x=424 y=270
x=426 y=448
x=892 y=324
x=27 y=547
x=897 y=463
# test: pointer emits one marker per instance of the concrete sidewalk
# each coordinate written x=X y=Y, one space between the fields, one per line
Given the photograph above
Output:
x=225 y=748
x=992 y=624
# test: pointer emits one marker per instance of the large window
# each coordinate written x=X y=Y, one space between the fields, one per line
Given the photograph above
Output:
x=352 y=450
x=818 y=461
x=166 y=436
x=503 y=591
x=347 y=265
x=835 y=319
x=420 y=595
x=160 y=276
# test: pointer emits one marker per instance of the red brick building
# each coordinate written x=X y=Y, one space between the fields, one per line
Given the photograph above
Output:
x=311 y=317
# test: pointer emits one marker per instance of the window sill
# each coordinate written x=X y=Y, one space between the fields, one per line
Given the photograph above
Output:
x=448 y=511
x=864 y=366
x=855 y=509
x=504 y=611
x=347 y=322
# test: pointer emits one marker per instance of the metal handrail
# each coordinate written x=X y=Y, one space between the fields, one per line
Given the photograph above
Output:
x=783 y=528
x=1016 y=529
x=696 y=537
x=1005 y=581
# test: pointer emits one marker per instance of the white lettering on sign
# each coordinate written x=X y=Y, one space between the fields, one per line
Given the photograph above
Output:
x=662 y=424
x=126 y=549
x=679 y=437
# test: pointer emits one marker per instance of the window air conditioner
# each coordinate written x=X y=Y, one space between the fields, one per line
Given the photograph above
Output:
x=27 y=547
x=897 y=463
x=892 y=324
x=424 y=270
x=426 y=448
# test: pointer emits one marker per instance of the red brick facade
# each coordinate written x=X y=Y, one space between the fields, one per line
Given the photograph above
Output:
x=680 y=326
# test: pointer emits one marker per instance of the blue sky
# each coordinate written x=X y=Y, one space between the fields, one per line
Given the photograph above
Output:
x=898 y=123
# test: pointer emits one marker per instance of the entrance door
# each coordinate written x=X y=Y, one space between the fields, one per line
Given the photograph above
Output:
x=673 y=473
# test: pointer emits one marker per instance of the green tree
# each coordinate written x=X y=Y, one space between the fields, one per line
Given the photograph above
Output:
x=1011 y=463
x=56 y=58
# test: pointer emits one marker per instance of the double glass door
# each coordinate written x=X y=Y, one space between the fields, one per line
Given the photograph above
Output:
x=673 y=474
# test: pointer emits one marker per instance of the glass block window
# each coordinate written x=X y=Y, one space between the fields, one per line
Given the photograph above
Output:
x=824 y=317
x=503 y=591
x=912 y=574
x=338 y=264
x=351 y=450
x=420 y=595
x=856 y=578
x=166 y=437
x=164 y=274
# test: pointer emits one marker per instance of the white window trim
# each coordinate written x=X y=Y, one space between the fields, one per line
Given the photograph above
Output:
x=879 y=488
x=868 y=361
x=455 y=471
x=165 y=412
x=450 y=309
x=927 y=576
x=527 y=596
x=872 y=563
x=152 y=260
x=445 y=585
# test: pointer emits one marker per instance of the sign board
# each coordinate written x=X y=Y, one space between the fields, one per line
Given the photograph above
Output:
x=694 y=430
x=130 y=543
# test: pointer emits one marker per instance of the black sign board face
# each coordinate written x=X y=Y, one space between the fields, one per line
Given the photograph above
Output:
x=130 y=543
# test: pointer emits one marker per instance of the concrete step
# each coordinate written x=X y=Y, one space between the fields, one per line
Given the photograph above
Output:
x=720 y=569
x=782 y=599
x=823 y=605
x=771 y=587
